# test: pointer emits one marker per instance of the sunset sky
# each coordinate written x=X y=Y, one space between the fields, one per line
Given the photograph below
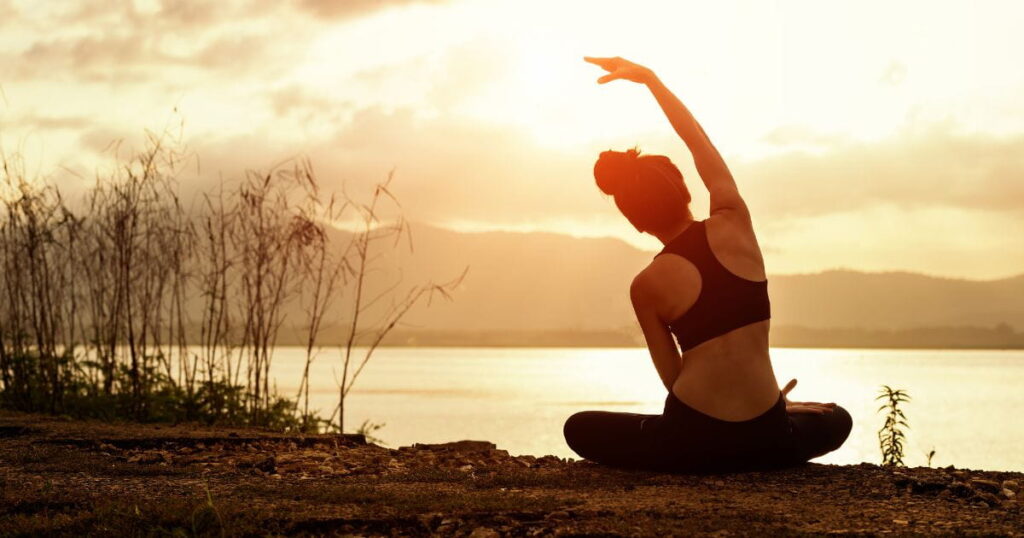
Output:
x=866 y=135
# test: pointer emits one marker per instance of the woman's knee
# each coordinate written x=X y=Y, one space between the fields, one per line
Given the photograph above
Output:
x=597 y=435
x=819 y=434
x=577 y=430
x=841 y=423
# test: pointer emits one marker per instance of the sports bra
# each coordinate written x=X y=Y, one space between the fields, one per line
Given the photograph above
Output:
x=726 y=301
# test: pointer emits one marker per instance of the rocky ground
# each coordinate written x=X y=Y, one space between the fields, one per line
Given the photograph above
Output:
x=62 y=477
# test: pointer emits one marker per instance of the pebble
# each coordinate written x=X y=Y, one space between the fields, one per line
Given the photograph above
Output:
x=989 y=498
x=1008 y=493
x=268 y=465
x=960 y=489
x=483 y=532
x=985 y=485
x=1011 y=485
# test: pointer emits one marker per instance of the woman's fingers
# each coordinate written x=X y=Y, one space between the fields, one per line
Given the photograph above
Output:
x=829 y=405
x=815 y=404
x=789 y=386
x=807 y=409
x=608 y=64
x=817 y=408
x=604 y=63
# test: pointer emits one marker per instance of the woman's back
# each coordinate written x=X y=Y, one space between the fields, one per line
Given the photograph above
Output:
x=721 y=319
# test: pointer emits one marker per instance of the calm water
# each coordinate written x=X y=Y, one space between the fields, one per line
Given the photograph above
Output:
x=966 y=404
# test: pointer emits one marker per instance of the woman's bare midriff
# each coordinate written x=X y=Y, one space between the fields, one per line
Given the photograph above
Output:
x=729 y=377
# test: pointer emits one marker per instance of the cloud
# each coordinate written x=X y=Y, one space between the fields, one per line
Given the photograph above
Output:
x=448 y=168
x=92 y=56
x=452 y=168
x=38 y=121
x=230 y=53
x=129 y=56
x=335 y=9
x=116 y=42
x=103 y=139
x=201 y=13
x=303 y=103
x=919 y=167
x=9 y=12
x=189 y=16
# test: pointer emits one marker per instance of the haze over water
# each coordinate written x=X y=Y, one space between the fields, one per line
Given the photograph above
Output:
x=965 y=404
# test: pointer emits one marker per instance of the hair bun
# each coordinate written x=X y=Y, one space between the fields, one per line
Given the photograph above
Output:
x=615 y=169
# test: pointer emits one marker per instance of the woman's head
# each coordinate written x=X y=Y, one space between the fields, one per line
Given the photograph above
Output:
x=648 y=189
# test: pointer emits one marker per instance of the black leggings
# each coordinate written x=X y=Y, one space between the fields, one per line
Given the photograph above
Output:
x=683 y=439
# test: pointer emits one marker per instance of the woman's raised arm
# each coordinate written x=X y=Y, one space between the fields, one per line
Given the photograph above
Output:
x=712 y=168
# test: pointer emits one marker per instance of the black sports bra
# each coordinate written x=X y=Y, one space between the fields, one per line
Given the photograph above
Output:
x=726 y=301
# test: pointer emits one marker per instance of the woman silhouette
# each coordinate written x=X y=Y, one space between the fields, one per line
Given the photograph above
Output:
x=724 y=410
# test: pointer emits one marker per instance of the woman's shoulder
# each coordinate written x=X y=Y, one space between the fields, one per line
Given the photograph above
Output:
x=668 y=283
x=732 y=241
x=729 y=223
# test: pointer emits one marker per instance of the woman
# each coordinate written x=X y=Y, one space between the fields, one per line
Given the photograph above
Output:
x=724 y=410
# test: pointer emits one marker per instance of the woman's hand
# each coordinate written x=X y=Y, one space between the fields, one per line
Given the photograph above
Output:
x=621 y=68
x=804 y=407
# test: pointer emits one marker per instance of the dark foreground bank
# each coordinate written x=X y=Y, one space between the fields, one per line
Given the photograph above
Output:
x=73 y=478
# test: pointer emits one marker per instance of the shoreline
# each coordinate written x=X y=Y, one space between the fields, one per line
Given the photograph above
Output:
x=63 y=477
x=643 y=347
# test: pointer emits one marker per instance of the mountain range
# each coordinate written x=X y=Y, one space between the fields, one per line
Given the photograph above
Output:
x=538 y=283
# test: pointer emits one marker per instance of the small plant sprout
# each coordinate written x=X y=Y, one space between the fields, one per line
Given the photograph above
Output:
x=367 y=429
x=891 y=436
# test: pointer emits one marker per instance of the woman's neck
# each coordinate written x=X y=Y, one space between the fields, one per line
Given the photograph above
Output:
x=667 y=236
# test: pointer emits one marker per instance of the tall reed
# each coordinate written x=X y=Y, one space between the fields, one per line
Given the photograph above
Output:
x=98 y=297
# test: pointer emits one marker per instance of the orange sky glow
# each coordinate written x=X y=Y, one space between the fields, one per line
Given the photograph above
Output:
x=866 y=135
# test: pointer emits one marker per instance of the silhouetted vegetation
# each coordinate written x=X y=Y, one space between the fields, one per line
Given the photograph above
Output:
x=96 y=294
x=891 y=437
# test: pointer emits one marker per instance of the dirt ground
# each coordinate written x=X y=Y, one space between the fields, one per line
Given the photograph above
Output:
x=72 y=478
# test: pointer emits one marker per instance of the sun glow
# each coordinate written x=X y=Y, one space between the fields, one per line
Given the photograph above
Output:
x=489 y=102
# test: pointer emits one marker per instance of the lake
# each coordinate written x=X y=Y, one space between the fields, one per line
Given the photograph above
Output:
x=966 y=405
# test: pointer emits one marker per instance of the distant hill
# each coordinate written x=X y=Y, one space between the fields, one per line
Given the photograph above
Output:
x=546 y=283
x=891 y=301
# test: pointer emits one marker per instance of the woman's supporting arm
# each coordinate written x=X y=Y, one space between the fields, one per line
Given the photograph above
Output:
x=667 y=361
